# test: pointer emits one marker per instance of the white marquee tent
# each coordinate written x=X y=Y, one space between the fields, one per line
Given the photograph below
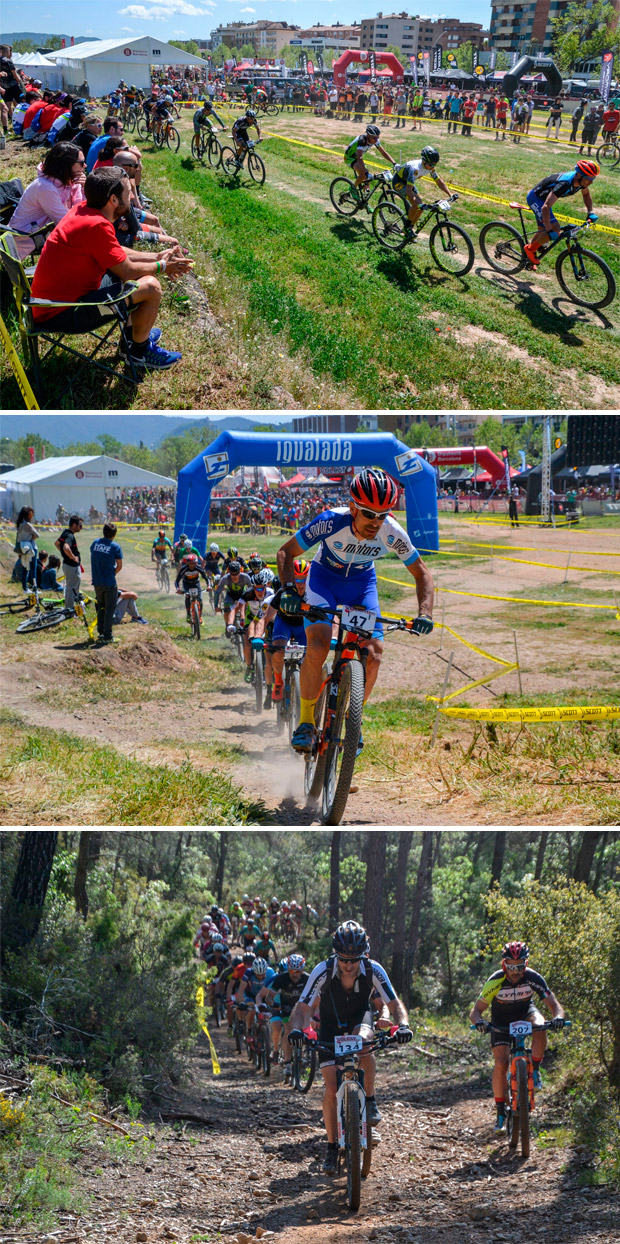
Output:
x=74 y=482
x=40 y=66
x=104 y=62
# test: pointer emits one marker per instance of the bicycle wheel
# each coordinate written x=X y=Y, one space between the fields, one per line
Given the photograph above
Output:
x=266 y=1050
x=585 y=278
x=340 y=193
x=237 y=1035
x=282 y=707
x=197 y=150
x=256 y=168
x=523 y=1102
x=217 y=1018
x=15 y=606
x=342 y=750
x=306 y=1070
x=239 y=647
x=367 y=1152
x=228 y=161
x=130 y=123
x=389 y=225
x=352 y=1147
x=271 y=110
x=214 y=152
x=608 y=153
x=41 y=622
x=195 y=616
x=294 y=704
x=451 y=248
x=142 y=127
x=314 y=767
x=165 y=579
x=259 y=678
x=502 y=246
x=250 y=1043
x=173 y=138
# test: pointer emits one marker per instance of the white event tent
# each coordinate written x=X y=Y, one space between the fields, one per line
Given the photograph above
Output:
x=75 y=482
x=37 y=65
x=103 y=62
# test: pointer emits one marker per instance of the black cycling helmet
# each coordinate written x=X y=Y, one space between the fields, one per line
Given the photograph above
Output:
x=233 y=552
x=249 y=957
x=255 y=564
x=430 y=155
x=373 y=131
x=234 y=568
x=250 y=112
x=351 y=939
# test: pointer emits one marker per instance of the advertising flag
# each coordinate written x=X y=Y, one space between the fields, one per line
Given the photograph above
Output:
x=514 y=56
x=492 y=59
x=607 y=68
x=476 y=59
x=303 y=61
x=414 y=69
x=372 y=63
x=451 y=59
x=63 y=43
x=437 y=59
x=426 y=61
x=31 y=453
x=311 y=67
x=320 y=62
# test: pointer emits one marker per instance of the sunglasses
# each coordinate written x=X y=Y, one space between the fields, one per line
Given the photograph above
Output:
x=123 y=176
x=342 y=960
x=515 y=967
x=373 y=514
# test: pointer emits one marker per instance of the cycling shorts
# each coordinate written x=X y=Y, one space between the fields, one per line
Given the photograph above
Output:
x=283 y=631
x=330 y=1029
x=230 y=602
x=326 y=588
x=352 y=157
x=499 y=1038
x=536 y=203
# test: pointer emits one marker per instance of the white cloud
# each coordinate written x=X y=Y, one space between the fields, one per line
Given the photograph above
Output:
x=247 y=10
x=179 y=34
x=165 y=9
x=127 y=30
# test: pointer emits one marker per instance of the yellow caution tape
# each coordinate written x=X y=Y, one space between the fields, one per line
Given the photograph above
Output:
x=515 y=600
x=438 y=699
x=526 y=548
x=523 y=561
x=481 y=652
x=17 y=368
x=565 y=713
x=200 y=999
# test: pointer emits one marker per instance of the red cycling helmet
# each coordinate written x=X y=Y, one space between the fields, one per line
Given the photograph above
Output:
x=514 y=951
x=373 y=489
x=301 y=568
x=190 y=559
x=589 y=168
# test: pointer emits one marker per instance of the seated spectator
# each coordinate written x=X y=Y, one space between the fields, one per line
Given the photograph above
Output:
x=48 y=581
x=89 y=130
x=112 y=127
x=68 y=123
x=33 y=111
x=105 y=158
x=44 y=119
x=82 y=256
x=20 y=110
x=139 y=225
x=58 y=186
x=126 y=603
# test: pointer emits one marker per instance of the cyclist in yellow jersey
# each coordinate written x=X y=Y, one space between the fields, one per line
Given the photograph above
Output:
x=161 y=547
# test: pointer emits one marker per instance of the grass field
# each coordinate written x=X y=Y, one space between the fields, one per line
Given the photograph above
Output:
x=294 y=305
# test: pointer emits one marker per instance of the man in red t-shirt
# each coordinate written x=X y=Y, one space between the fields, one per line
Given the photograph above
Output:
x=611 y=119
x=501 y=112
x=82 y=257
x=469 y=108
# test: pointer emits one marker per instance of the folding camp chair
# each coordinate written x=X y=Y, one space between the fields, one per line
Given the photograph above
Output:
x=113 y=317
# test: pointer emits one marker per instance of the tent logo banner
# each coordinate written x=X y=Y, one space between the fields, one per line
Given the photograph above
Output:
x=314 y=452
x=607 y=66
x=216 y=466
x=408 y=463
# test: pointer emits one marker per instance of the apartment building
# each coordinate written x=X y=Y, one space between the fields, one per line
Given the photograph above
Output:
x=449 y=33
x=410 y=34
x=267 y=38
x=339 y=37
x=525 y=27
x=325 y=423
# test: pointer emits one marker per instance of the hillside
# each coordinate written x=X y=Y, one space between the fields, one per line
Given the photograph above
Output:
x=43 y=39
x=128 y=429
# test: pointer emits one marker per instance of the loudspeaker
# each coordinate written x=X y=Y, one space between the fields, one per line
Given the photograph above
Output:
x=593 y=439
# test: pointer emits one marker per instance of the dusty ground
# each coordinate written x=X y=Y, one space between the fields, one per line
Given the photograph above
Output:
x=439 y=1176
x=565 y=650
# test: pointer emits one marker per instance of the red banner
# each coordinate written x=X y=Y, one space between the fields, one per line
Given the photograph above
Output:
x=31 y=453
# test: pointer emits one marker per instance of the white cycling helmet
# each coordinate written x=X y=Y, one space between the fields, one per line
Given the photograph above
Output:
x=259 y=968
x=214 y=548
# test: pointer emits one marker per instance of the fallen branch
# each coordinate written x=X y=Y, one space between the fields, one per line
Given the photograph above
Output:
x=99 y=1118
x=187 y=1115
x=419 y=1050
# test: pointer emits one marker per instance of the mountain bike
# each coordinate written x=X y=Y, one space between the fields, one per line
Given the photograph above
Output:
x=166 y=134
x=210 y=589
x=238 y=1032
x=162 y=574
x=349 y=200
x=32 y=599
x=267 y=110
x=258 y=671
x=329 y=765
x=287 y=709
x=304 y=1063
x=585 y=278
x=207 y=144
x=288 y=929
x=609 y=151
x=262 y=1040
x=144 y=125
x=354 y=1130
x=195 y=611
x=55 y=616
x=520 y=1080
x=131 y=116
x=233 y=165
x=450 y=245
x=218 y=1005
x=236 y=639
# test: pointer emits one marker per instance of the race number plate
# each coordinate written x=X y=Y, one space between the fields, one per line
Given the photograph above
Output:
x=358 y=619
x=347 y=1044
x=520 y=1028
x=296 y=652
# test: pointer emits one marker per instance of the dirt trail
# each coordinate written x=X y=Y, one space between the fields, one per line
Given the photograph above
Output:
x=438 y=1175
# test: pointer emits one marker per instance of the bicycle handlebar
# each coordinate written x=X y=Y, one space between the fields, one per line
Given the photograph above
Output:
x=548 y=1023
x=322 y=613
x=369 y=1047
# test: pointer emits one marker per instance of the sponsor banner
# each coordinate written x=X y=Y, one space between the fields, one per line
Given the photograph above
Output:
x=311 y=67
x=607 y=68
x=437 y=59
x=216 y=466
x=320 y=62
x=372 y=62
x=492 y=59
x=426 y=64
x=514 y=56
x=479 y=70
x=408 y=463
x=451 y=59
x=414 y=69
x=476 y=59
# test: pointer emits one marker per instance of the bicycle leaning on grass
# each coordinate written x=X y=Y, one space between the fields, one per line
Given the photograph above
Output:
x=585 y=278
x=520 y=1079
x=54 y=617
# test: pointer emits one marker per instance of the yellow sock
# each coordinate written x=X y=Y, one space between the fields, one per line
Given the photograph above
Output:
x=307 y=711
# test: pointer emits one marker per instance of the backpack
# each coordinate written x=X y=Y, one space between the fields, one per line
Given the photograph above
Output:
x=10 y=194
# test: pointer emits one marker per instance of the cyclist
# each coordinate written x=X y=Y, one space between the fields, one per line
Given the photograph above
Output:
x=286 y=626
x=237 y=916
x=179 y=548
x=249 y=933
x=256 y=564
x=231 y=586
x=289 y=983
x=202 y=118
x=240 y=133
x=404 y=179
x=232 y=555
x=188 y=547
x=213 y=557
x=256 y=600
x=148 y=106
x=252 y=982
x=160 y=113
x=545 y=193
x=274 y=912
x=350 y=539
x=345 y=983
x=188 y=577
x=260 y=98
x=247 y=904
x=357 y=149
x=218 y=957
x=510 y=991
x=264 y=947
x=297 y=915
x=115 y=99
x=234 y=977
x=161 y=547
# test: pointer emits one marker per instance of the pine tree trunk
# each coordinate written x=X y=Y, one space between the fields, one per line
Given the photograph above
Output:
x=540 y=857
x=80 y=893
x=221 y=865
x=374 y=898
x=499 y=849
x=334 y=879
x=27 y=897
x=585 y=855
x=422 y=887
x=405 y=838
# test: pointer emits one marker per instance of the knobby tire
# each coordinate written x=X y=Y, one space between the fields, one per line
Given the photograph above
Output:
x=523 y=1099
x=259 y=679
x=294 y=704
x=352 y=1147
x=458 y=262
x=342 y=750
x=41 y=622
x=592 y=261
x=342 y=198
x=498 y=233
x=367 y=1152
x=314 y=769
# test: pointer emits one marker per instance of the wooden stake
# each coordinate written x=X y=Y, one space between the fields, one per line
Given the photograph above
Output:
x=443 y=619
x=514 y=636
x=566 y=571
x=443 y=692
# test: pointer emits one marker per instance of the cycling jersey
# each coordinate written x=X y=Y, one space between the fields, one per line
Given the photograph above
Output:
x=233 y=591
x=162 y=545
x=263 y=946
x=406 y=174
x=203 y=116
x=359 y=148
x=340 y=1008
x=292 y=619
x=345 y=553
x=253 y=985
x=248 y=934
x=220 y=964
x=255 y=609
x=560 y=184
x=228 y=560
x=189 y=577
x=212 y=561
x=290 y=991
x=513 y=1001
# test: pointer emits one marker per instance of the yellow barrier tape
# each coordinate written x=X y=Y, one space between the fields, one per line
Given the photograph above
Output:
x=524 y=561
x=515 y=600
x=17 y=369
x=474 y=194
x=526 y=548
x=437 y=699
x=442 y=626
x=200 y=999
x=565 y=713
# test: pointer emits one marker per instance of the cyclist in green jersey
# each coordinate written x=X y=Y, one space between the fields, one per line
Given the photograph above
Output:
x=355 y=152
x=161 y=547
x=404 y=179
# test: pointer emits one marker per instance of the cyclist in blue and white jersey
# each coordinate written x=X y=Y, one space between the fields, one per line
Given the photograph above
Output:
x=544 y=194
x=342 y=572
x=253 y=980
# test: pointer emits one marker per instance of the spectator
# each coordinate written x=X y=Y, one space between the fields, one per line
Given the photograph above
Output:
x=400 y=100
x=40 y=566
x=489 y=114
x=11 y=82
x=469 y=108
x=577 y=115
x=501 y=112
x=112 y=128
x=373 y=101
x=82 y=255
x=105 y=158
x=88 y=132
x=58 y=186
x=611 y=120
x=106 y=561
x=554 y=120
x=49 y=582
x=456 y=105
x=479 y=108
x=138 y=224
x=590 y=129
x=126 y=603
x=71 y=560
x=31 y=112
x=25 y=545
x=45 y=118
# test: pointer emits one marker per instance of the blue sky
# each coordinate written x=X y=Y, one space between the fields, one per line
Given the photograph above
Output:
x=187 y=19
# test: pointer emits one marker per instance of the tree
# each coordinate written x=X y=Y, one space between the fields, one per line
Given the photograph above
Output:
x=422 y=888
x=89 y=851
x=405 y=838
x=27 y=897
x=248 y=50
x=374 y=897
x=585 y=855
x=396 y=51
x=334 y=878
x=221 y=864
x=465 y=57
x=502 y=61
x=584 y=31
x=540 y=856
x=499 y=850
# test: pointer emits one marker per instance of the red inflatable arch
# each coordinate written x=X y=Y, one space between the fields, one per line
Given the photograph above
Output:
x=339 y=67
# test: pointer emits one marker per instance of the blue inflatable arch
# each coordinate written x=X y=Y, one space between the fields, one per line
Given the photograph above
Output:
x=323 y=452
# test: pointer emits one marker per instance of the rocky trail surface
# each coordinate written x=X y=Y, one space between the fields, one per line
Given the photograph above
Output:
x=238 y=1158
